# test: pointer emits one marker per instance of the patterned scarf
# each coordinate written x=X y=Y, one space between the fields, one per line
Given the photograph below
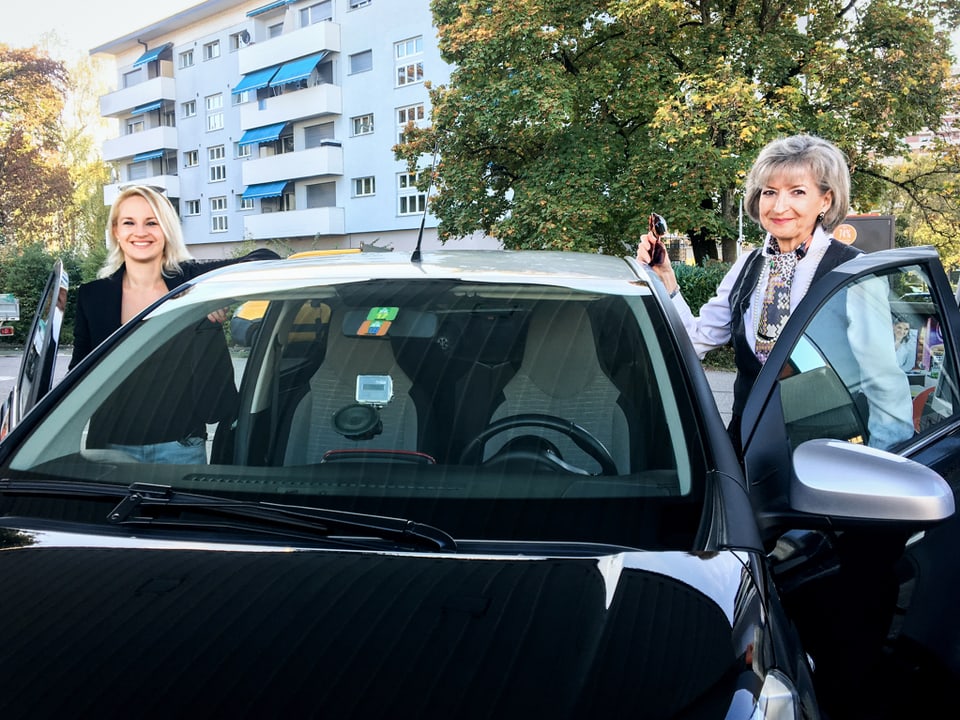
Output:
x=775 y=310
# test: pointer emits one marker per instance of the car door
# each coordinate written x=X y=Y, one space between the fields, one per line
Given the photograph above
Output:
x=37 y=364
x=837 y=372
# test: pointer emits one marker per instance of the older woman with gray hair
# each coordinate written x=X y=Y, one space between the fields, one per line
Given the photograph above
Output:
x=798 y=190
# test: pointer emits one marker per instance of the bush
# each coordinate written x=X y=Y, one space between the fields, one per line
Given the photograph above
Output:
x=699 y=284
x=23 y=272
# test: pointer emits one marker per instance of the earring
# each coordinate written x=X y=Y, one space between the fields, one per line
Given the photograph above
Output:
x=820 y=218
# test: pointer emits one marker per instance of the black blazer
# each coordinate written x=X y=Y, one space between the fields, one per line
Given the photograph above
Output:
x=99 y=302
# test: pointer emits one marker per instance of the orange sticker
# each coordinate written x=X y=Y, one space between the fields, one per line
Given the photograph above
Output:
x=846 y=234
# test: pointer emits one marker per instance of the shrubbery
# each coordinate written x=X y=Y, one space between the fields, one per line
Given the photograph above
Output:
x=23 y=272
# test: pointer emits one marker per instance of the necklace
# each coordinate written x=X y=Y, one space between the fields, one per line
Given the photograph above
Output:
x=771 y=305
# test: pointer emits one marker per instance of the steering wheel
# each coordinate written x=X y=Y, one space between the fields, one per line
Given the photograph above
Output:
x=473 y=453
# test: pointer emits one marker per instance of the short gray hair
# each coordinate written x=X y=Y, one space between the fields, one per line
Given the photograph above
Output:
x=823 y=159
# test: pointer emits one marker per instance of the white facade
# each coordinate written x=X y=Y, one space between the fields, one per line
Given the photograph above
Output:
x=276 y=120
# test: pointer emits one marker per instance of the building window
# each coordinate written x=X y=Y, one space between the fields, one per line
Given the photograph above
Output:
x=218 y=221
x=239 y=40
x=211 y=50
x=274 y=31
x=408 y=48
x=186 y=59
x=361 y=62
x=322 y=195
x=218 y=168
x=168 y=118
x=243 y=97
x=364 y=186
x=354 y=4
x=242 y=151
x=409 y=114
x=134 y=77
x=317 y=135
x=363 y=124
x=134 y=125
x=410 y=200
x=191 y=158
x=318 y=12
x=138 y=171
x=244 y=203
x=214 y=104
x=409 y=70
x=189 y=108
x=191 y=207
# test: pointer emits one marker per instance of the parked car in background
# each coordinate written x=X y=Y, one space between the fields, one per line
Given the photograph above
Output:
x=475 y=484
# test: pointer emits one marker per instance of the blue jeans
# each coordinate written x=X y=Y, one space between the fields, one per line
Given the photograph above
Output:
x=192 y=451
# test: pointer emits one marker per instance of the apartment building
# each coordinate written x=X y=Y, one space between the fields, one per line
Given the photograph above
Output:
x=268 y=121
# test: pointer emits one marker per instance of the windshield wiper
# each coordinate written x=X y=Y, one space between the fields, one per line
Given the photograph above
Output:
x=134 y=510
x=276 y=518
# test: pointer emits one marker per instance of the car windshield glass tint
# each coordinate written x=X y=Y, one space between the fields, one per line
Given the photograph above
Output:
x=492 y=411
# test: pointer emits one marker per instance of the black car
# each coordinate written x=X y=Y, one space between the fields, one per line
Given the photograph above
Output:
x=474 y=484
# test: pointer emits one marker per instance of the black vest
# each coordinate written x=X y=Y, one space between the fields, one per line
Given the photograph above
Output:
x=748 y=366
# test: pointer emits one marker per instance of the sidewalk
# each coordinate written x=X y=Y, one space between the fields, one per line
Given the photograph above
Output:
x=721 y=382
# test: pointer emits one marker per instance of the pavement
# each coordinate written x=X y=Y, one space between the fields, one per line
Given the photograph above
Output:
x=721 y=382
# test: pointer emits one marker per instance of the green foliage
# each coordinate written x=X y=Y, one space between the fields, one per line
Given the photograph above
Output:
x=24 y=272
x=566 y=122
x=699 y=284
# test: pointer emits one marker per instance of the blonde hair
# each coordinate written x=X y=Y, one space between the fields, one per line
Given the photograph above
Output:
x=823 y=159
x=174 y=248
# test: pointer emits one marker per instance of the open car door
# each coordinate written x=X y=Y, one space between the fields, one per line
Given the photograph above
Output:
x=38 y=362
x=840 y=432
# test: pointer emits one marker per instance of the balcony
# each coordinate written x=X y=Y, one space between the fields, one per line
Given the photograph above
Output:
x=314 y=101
x=294 y=223
x=121 y=102
x=126 y=146
x=294 y=44
x=170 y=184
x=313 y=162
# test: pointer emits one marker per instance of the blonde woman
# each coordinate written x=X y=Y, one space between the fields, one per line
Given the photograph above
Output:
x=161 y=418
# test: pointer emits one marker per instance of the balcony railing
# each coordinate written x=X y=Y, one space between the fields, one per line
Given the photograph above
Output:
x=313 y=162
x=295 y=223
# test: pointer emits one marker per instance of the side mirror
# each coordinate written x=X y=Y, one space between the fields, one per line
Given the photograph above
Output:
x=843 y=480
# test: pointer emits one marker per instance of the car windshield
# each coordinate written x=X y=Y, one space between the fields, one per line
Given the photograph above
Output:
x=498 y=411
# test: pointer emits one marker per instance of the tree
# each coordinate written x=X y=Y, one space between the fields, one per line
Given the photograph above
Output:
x=34 y=182
x=566 y=122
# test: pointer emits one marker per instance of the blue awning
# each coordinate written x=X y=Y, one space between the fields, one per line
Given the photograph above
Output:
x=265 y=190
x=151 y=55
x=297 y=69
x=267 y=8
x=267 y=133
x=152 y=155
x=256 y=80
x=141 y=109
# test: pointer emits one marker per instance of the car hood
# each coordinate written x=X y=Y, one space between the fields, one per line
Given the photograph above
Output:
x=172 y=629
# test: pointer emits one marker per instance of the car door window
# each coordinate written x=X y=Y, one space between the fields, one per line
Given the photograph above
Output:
x=871 y=366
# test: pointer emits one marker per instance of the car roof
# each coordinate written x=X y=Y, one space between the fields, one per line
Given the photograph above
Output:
x=582 y=271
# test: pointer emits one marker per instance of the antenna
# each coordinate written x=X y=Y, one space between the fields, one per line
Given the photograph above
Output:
x=415 y=258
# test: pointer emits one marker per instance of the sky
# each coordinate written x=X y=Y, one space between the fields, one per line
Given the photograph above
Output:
x=82 y=24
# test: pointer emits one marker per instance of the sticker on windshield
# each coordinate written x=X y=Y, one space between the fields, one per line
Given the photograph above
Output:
x=378 y=321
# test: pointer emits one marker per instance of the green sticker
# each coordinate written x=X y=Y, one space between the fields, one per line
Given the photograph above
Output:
x=383 y=313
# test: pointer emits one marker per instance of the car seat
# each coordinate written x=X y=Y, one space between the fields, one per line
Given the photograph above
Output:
x=561 y=375
x=333 y=387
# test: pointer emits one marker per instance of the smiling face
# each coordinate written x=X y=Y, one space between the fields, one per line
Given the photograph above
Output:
x=138 y=231
x=789 y=206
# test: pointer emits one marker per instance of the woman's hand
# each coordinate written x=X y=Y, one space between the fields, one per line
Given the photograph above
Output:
x=664 y=270
x=218 y=316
